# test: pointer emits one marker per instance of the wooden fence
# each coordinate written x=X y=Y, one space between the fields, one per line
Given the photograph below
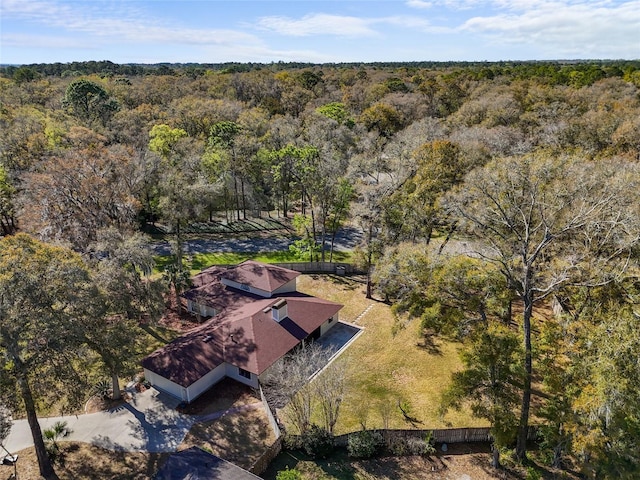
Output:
x=272 y=420
x=322 y=267
x=317 y=267
x=446 y=435
x=262 y=463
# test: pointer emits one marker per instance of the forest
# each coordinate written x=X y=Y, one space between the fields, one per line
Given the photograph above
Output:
x=498 y=205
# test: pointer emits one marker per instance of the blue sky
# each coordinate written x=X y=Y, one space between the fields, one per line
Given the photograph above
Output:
x=212 y=31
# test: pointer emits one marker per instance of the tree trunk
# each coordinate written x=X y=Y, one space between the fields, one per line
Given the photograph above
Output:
x=235 y=189
x=115 y=386
x=285 y=206
x=323 y=236
x=333 y=240
x=369 y=286
x=314 y=234
x=44 y=463
x=244 y=204
x=448 y=237
x=226 y=202
x=369 y=258
x=495 y=458
x=523 y=429
x=334 y=231
x=509 y=314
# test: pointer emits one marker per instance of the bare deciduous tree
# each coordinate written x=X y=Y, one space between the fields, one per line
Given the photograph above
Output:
x=330 y=387
x=288 y=383
x=547 y=222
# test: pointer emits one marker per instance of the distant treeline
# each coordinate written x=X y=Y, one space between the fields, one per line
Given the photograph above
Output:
x=556 y=72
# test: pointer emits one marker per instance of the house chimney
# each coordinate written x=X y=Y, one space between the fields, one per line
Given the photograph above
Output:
x=279 y=310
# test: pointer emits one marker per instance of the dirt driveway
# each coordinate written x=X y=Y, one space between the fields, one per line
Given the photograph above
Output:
x=239 y=435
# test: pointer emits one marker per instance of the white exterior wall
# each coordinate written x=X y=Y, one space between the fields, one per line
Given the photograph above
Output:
x=232 y=372
x=326 y=326
x=245 y=288
x=200 y=386
x=201 y=310
x=290 y=286
x=279 y=314
x=193 y=391
x=165 y=385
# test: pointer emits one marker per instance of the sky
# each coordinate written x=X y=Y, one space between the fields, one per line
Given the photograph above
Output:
x=265 y=31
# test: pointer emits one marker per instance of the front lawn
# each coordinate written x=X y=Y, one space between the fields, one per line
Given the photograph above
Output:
x=200 y=261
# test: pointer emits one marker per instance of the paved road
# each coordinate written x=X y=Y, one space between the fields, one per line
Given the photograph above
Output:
x=346 y=240
x=149 y=422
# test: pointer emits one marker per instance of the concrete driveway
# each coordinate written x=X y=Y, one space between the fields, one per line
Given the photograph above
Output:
x=149 y=422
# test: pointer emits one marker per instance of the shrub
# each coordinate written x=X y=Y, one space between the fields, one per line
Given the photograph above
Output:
x=412 y=446
x=364 y=444
x=533 y=474
x=317 y=442
x=417 y=446
x=397 y=447
x=51 y=436
x=292 y=442
x=103 y=389
x=289 y=475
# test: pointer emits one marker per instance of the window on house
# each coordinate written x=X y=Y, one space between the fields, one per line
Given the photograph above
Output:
x=243 y=373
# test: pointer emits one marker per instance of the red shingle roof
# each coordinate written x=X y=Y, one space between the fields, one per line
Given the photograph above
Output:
x=259 y=275
x=244 y=334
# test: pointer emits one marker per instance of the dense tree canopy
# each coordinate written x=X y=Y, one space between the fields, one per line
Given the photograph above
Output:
x=45 y=293
x=514 y=183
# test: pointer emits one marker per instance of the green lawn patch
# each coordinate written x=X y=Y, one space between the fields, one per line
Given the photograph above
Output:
x=200 y=261
x=386 y=369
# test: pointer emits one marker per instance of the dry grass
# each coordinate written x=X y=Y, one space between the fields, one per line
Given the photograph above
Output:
x=385 y=369
x=239 y=436
x=83 y=461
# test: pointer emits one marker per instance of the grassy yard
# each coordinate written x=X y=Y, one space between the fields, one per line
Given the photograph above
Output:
x=385 y=369
x=200 y=261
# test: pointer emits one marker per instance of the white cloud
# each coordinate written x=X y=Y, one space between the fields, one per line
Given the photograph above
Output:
x=318 y=24
x=545 y=28
x=565 y=28
x=340 y=26
x=404 y=21
x=421 y=4
x=41 y=41
x=120 y=26
x=32 y=9
x=460 y=4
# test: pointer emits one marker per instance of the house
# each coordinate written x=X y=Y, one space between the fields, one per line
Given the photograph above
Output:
x=255 y=316
x=195 y=463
